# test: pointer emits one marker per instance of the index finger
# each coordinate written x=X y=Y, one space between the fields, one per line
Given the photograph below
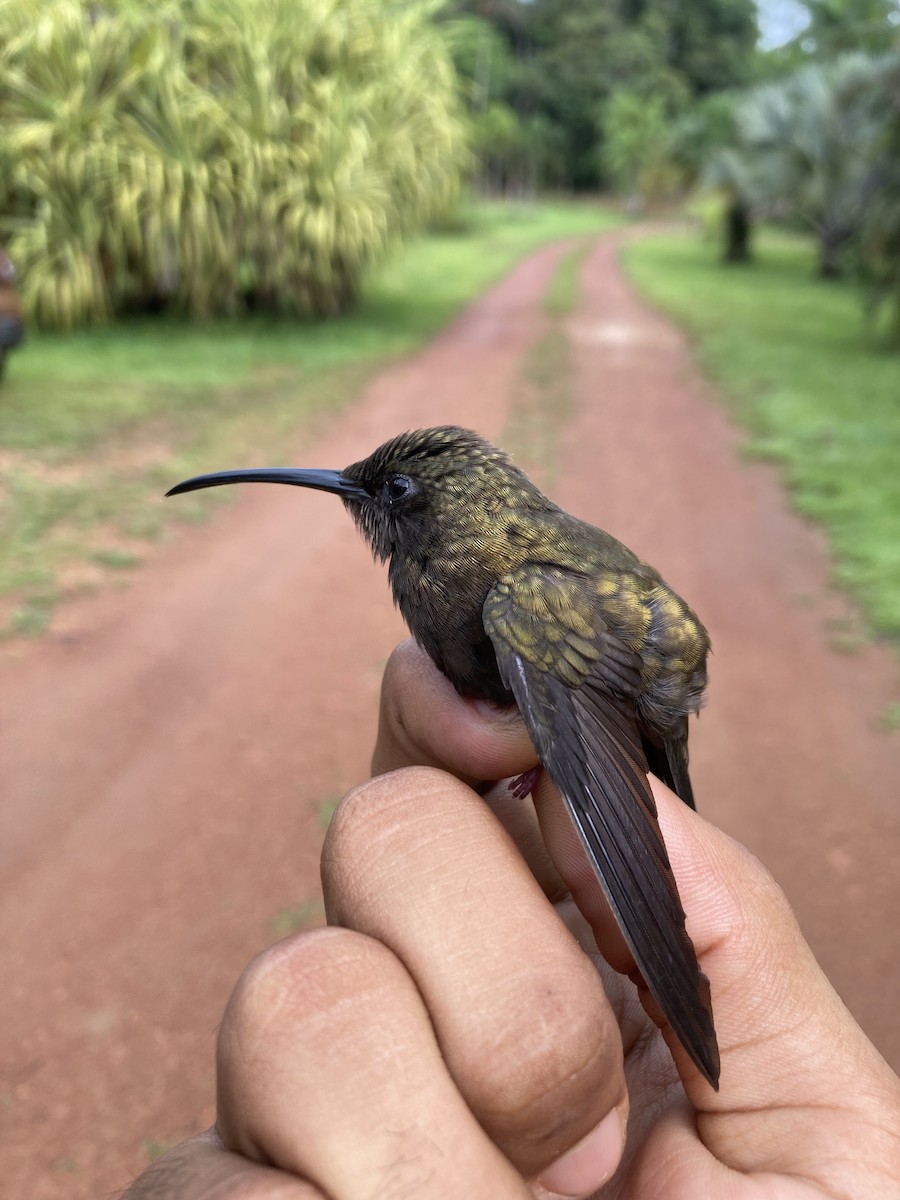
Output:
x=202 y=1169
x=415 y=861
x=424 y=722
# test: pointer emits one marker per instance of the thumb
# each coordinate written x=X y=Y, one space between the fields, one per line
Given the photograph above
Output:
x=788 y=1044
x=775 y=1011
x=801 y=1084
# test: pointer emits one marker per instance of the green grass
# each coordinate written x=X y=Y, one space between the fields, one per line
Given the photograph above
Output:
x=564 y=293
x=815 y=391
x=69 y=392
x=95 y=426
x=544 y=395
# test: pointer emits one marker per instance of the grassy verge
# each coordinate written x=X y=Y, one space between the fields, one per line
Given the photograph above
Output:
x=815 y=392
x=564 y=293
x=95 y=426
x=544 y=397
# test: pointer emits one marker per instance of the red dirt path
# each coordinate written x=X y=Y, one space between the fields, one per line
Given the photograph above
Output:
x=167 y=751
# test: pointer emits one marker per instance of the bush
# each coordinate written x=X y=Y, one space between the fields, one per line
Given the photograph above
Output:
x=208 y=155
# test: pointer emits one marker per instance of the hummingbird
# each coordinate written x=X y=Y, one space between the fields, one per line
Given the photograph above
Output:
x=517 y=601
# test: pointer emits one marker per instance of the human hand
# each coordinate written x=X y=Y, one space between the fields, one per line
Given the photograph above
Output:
x=456 y=1033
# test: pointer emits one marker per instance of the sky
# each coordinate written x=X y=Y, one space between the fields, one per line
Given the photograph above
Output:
x=779 y=21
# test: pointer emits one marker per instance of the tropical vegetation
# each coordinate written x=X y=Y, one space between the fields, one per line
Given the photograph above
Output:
x=543 y=79
x=244 y=161
x=812 y=146
x=214 y=156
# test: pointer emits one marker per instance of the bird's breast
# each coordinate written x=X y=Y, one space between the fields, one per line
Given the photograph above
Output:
x=443 y=609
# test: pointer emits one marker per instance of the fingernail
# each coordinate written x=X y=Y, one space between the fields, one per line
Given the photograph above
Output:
x=590 y=1163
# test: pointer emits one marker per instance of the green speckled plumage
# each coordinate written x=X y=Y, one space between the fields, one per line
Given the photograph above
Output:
x=515 y=599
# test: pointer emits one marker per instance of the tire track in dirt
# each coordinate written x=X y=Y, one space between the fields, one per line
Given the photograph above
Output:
x=165 y=763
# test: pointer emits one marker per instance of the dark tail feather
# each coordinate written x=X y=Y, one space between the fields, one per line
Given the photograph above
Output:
x=677 y=756
x=669 y=763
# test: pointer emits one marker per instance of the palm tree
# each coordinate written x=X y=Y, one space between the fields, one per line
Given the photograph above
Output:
x=881 y=224
x=810 y=142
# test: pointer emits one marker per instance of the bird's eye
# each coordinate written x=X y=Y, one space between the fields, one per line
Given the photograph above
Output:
x=397 y=487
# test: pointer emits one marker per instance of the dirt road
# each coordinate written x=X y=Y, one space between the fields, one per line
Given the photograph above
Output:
x=171 y=753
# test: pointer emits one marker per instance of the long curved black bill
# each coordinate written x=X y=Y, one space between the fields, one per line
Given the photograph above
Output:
x=323 y=481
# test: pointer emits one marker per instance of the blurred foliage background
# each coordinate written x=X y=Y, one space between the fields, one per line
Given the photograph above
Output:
x=261 y=155
x=193 y=186
x=657 y=103
x=212 y=155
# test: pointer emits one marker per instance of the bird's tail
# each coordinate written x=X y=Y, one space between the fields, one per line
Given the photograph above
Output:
x=669 y=762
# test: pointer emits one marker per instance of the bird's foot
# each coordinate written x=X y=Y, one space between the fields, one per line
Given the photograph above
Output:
x=523 y=785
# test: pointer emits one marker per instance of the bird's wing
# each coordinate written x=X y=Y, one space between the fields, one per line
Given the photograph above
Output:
x=575 y=685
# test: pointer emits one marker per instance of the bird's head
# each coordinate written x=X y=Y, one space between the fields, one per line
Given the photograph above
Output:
x=423 y=487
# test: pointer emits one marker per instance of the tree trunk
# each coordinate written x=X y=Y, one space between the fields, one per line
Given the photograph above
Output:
x=738 y=228
x=832 y=240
